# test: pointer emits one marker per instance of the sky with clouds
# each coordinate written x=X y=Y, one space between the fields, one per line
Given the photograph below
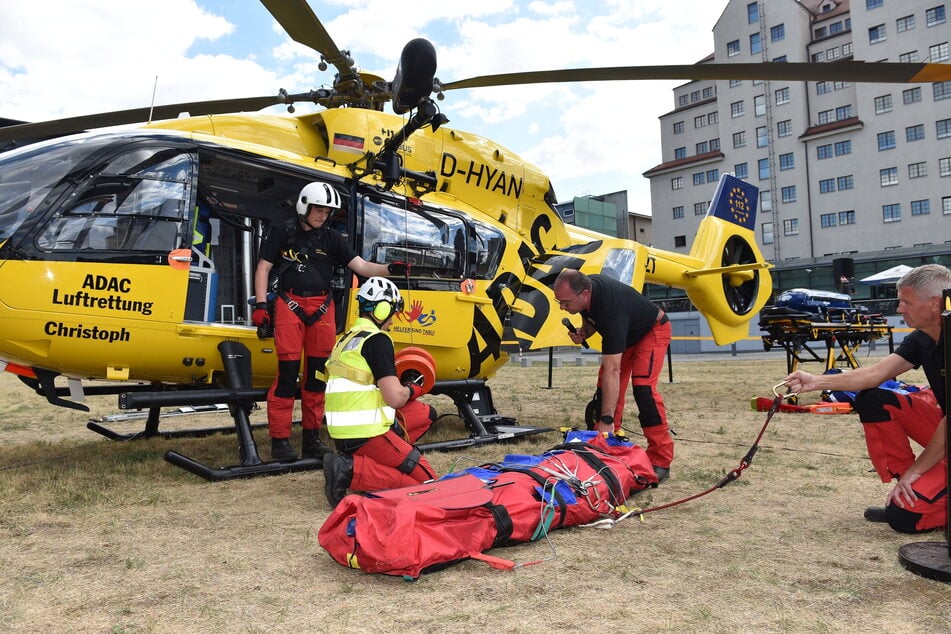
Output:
x=63 y=58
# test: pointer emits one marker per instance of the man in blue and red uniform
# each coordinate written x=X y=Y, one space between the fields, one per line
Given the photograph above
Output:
x=302 y=255
x=890 y=419
x=635 y=334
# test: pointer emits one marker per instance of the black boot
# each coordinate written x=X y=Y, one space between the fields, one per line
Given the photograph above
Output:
x=313 y=447
x=338 y=473
x=282 y=451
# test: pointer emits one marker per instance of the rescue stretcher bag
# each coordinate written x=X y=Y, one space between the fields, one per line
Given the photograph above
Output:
x=412 y=530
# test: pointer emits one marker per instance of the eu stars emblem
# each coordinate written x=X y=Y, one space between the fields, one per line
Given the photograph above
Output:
x=739 y=205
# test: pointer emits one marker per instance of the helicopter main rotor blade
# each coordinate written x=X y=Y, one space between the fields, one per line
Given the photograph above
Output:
x=879 y=72
x=302 y=24
x=59 y=127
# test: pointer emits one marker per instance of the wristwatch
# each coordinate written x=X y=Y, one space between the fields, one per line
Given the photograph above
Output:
x=607 y=419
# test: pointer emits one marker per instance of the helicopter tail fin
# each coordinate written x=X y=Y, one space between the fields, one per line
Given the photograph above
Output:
x=725 y=274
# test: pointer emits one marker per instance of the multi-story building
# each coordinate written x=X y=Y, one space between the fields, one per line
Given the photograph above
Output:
x=853 y=177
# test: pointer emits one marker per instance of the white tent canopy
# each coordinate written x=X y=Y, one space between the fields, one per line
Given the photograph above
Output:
x=888 y=276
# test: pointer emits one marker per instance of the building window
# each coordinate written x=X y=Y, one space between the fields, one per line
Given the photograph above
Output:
x=678 y=127
x=735 y=82
x=752 y=13
x=700 y=121
x=756 y=43
x=763 y=167
x=847 y=49
x=701 y=148
x=821 y=32
x=694 y=96
x=883 y=103
x=935 y=15
x=782 y=96
x=826 y=185
x=777 y=33
x=741 y=170
x=680 y=153
x=823 y=87
x=736 y=109
x=713 y=117
x=824 y=151
x=845 y=182
x=787 y=161
x=876 y=34
x=920 y=207
x=713 y=176
x=915 y=132
x=762 y=136
x=683 y=100
x=873 y=4
x=827 y=220
x=784 y=128
x=677 y=182
x=843 y=112
x=698 y=178
x=791 y=227
x=714 y=144
x=825 y=116
x=944 y=166
x=766 y=233
x=918 y=170
x=942 y=90
x=912 y=95
x=938 y=53
x=891 y=213
x=888 y=176
x=680 y=241
x=910 y=57
x=739 y=139
x=788 y=194
x=818 y=57
x=843 y=147
x=906 y=23
x=943 y=128
x=765 y=200
x=886 y=140
x=699 y=209
x=832 y=53
x=847 y=217
x=733 y=48
x=678 y=212
x=708 y=92
x=946 y=205
x=759 y=105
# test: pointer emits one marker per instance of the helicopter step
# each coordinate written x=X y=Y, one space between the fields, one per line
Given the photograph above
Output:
x=155 y=414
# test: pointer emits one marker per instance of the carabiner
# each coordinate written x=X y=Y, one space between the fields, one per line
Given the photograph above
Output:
x=786 y=395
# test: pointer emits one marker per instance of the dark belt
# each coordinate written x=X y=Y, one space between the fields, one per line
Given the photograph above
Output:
x=294 y=291
x=662 y=318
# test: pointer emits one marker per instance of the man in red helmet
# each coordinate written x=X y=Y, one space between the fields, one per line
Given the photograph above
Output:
x=301 y=256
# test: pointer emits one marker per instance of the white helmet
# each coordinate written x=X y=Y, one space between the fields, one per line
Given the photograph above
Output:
x=318 y=193
x=379 y=297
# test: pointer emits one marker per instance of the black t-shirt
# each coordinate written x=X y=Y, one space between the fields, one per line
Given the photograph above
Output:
x=921 y=350
x=619 y=313
x=378 y=351
x=323 y=249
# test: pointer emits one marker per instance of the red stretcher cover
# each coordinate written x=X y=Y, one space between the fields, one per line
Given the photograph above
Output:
x=412 y=530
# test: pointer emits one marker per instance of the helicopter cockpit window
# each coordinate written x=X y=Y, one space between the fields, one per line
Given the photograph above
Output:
x=26 y=177
x=437 y=244
x=619 y=264
x=138 y=203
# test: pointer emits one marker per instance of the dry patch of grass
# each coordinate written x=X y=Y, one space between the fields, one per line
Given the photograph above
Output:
x=105 y=536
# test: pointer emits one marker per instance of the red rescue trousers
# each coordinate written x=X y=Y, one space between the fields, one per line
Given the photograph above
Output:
x=891 y=420
x=380 y=463
x=640 y=366
x=291 y=337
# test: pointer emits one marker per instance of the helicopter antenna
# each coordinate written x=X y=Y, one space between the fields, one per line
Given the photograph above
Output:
x=152 y=105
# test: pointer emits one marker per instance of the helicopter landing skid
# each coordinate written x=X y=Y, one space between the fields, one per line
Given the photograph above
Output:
x=473 y=399
x=152 y=418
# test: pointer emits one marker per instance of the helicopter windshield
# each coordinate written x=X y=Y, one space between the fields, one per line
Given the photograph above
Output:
x=28 y=174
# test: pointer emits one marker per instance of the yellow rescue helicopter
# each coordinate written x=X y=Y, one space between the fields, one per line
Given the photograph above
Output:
x=127 y=255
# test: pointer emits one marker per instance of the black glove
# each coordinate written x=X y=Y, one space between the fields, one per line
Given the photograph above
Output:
x=399 y=269
x=415 y=391
x=259 y=317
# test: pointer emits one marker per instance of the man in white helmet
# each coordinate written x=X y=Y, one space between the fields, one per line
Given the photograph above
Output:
x=304 y=254
x=373 y=418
